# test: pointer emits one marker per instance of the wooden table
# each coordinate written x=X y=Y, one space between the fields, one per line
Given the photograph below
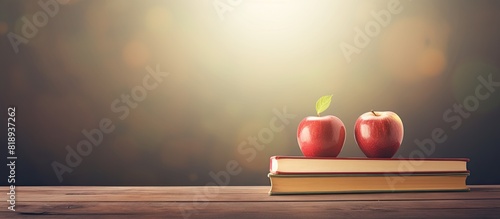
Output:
x=245 y=202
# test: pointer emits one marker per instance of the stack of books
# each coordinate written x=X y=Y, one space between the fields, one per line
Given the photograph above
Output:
x=301 y=175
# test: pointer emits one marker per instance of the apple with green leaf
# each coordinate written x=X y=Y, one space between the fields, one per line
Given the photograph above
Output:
x=321 y=136
x=379 y=133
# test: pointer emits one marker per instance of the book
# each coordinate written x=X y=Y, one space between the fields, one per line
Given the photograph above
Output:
x=366 y=183
x=304 y=165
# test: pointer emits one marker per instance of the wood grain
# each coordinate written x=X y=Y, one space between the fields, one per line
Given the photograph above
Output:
x=245 y=202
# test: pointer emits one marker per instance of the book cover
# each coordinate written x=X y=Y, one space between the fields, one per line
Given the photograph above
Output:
x=305 y=165
x=366 y=183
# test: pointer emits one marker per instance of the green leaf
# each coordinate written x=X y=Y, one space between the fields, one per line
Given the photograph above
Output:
x=323 y=103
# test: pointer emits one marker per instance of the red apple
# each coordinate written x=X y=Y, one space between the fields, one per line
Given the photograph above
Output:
x=321 y=136
x=379 y=133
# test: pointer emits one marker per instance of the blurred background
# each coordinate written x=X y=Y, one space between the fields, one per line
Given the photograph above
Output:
x=232 y=66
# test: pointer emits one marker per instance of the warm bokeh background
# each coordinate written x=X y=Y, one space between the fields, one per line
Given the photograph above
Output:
x=228 y=75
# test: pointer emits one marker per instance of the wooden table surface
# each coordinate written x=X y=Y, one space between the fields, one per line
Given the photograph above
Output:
x=245 y=202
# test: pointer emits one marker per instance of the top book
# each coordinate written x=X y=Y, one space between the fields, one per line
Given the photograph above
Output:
x=320 y=165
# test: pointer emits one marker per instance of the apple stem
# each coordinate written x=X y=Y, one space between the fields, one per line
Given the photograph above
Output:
x=374 y=113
